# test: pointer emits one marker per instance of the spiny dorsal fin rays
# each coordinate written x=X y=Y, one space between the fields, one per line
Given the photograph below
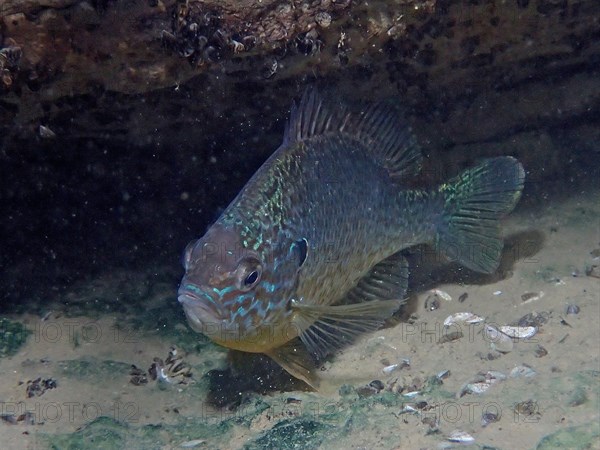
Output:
x=378 y=127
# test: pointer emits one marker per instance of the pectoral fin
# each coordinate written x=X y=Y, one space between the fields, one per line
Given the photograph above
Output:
x=374 y=299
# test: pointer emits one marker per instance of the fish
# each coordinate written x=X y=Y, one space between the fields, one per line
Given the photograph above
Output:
x=308 y=256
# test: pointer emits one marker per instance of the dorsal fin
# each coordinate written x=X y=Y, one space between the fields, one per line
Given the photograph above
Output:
x=379 y=127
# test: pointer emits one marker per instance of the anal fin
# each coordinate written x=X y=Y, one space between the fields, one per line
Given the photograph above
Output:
x=294 y=358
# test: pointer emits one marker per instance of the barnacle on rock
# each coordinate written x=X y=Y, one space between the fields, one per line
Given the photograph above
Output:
x=201 y=35
x=9 y=63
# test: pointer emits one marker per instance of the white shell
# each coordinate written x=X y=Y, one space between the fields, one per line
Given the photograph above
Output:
x=522 y=371
x=441 y=294
x=466 y=317
x=460 y=436
x=498 y=340
x=411 y=394
x=478 y=388
x=519 y=332
x=389 y=369
x=493 y=376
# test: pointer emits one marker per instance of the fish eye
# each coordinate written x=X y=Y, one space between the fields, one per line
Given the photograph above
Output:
x=251 y=278
x=248 y=273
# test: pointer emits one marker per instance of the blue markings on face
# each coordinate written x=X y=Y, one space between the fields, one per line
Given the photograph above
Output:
x=222 y=292
x=269 y=287
x=200 y=292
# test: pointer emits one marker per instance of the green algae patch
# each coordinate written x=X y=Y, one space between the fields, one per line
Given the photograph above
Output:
x=579 y=437
x=291 y=434
x=12 y=336
x=108 y=433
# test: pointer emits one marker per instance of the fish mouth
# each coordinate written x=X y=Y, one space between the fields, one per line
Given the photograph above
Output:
x=199 y=311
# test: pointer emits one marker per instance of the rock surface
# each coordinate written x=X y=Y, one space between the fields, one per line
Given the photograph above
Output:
x=126 y=125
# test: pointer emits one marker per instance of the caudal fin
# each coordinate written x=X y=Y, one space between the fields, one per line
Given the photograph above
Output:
x=474 y=203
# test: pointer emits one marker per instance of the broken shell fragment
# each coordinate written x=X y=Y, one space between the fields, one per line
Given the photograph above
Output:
x=465 y=317
x=392 y=367
x=498 y=340
x=443 y=374
x=460 y=436
x=481 y=383
x=522 y=371
x=519 y=332
x=488 y=418
x=531 y=296
x=477 y=388
x=441 y=294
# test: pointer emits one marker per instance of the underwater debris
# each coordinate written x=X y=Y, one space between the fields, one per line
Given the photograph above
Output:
x=441 y=294
x=432 y=302
x=572 y=309
x=450 y=337
x=489 y=417
x=460 y=436
x=522 y=371
x=10 y=57
x=593 y=271
x=466 y=317
x=527 y=408
x=393 y=367
x=374 y=387
x=138 y=376
x=533 y=319
x=199 y=35
x=540 y=351
x=46 y=132
x=531 y=296
x=481 y=383
x=172 y=370
x=519 y=332
x=498 y=340
x=443 y=374
x=323 y=19
x=39 y=386
x=27 y=418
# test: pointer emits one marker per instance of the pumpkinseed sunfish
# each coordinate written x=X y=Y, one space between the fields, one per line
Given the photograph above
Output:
x=307 y=256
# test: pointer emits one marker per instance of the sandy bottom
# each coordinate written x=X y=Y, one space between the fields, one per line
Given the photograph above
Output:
x=543 y=393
